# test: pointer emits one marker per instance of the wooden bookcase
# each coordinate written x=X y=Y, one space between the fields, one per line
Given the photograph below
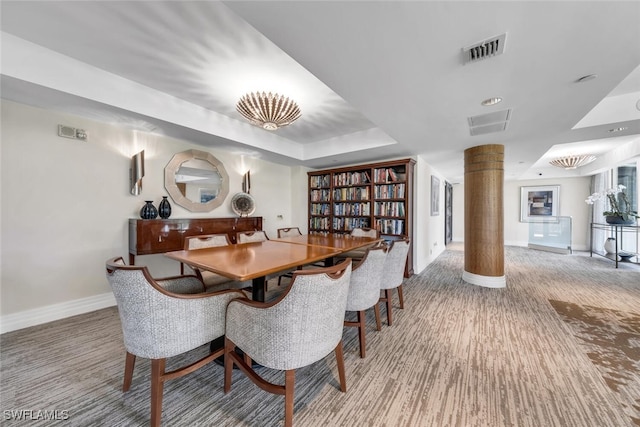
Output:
x=374 y=195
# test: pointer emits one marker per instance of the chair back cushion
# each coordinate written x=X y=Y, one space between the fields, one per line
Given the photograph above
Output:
x=252 y=236
x=364 y=290
x=393 y=273
x=364 y=232
x=206 y=241
x=302 y=327
x=158 y=324
x=287 y=232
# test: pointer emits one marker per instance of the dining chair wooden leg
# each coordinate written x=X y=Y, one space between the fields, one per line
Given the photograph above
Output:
x=387 y=294
x=228 y=364
x=129 y=364
x=361 y=332
x=157 y=383
x=376 y=311
x=400 y=297
x=340 y=363
x=289 y=386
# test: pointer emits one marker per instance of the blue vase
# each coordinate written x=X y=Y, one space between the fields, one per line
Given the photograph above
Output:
x=164 y=208
x=148 y=211
x=618 y=220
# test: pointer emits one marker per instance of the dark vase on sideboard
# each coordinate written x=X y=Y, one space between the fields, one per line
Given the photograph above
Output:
x=148 y=211
x=164 y=208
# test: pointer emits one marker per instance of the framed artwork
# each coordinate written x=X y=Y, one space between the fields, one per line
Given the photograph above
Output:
x=435 y=196
x=539 y=203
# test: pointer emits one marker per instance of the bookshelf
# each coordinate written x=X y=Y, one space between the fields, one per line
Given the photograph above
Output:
x=374 y=195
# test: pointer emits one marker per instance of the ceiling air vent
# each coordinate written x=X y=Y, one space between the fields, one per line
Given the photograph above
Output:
x=489 y=123
x=484 y=49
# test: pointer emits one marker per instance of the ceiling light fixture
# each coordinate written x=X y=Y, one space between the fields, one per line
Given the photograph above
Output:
x=270 y=111
x=586 y=78
x=573 y=162
x=491 y=101
x=620 y=129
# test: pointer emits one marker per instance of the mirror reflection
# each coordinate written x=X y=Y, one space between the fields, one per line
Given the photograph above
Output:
x=196 y=180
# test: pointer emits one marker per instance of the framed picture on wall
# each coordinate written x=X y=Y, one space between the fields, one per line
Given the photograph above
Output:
x=539 y=204
x=435 y=196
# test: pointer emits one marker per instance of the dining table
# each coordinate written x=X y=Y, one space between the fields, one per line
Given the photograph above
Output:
x=254 y=261
x=341 y=242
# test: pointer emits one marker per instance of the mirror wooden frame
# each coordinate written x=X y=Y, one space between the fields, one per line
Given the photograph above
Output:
x=170 y=181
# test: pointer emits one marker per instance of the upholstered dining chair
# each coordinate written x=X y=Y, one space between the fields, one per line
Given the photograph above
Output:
x=393 y=273
x=212 y=281
x=251 y=236
x=357 y=254
x=364 y=290
x=301 y=327
x=290 y=231
x=164 y=318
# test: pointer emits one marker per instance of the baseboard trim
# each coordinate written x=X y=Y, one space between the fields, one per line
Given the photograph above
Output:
x=484 y=281
x=564 y=251
x=38 y=316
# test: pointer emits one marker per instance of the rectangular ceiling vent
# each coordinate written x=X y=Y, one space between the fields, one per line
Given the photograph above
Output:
x=484 y=49
x=489 y=123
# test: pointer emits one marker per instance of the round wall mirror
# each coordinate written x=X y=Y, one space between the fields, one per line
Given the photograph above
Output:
x=196 y=180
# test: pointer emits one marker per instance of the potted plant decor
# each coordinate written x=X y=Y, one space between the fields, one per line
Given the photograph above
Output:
x=620 y=208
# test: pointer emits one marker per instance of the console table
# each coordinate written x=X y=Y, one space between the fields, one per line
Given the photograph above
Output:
x=156 y=236
x=618 y=231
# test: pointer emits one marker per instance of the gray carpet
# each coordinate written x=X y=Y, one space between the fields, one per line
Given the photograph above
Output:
x=457 y=355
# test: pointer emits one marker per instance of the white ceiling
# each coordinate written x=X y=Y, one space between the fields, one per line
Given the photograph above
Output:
x=374 y=80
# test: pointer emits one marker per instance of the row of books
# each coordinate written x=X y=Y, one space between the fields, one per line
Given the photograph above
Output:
x=317 y=223
x=391 y=191
x=351 y=178
x=389 y=208
x=388 y=175
x=351 y=193
x=390 y=226
x=348 y=224
x=353 y=209
x=319 y=195
x=320 y=209
x=320 y=181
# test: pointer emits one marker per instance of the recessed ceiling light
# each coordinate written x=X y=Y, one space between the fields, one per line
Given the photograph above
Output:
x=620 y=129
x=491 y=101
x=586 y=78
x=638 y=105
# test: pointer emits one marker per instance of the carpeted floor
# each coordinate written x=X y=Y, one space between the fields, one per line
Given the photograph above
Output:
x=457 y=355
x=611 y=340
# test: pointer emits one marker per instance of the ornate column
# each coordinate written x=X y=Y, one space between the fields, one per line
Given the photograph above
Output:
x=484 y=216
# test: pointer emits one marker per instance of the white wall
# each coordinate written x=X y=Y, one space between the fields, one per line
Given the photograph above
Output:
x=65 y=206
x=428 y=240
x=573 y=192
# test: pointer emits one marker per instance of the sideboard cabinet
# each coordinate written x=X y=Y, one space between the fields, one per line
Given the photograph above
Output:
x=374 y=195
x=155 y=236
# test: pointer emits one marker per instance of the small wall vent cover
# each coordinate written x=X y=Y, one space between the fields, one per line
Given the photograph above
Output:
x=71 y=132
x=484 y=49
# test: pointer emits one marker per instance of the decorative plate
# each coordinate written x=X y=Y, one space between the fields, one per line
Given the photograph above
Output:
x=243 y=204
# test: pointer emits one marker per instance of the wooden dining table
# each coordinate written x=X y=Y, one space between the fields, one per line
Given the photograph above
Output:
x=341 y=242
x=254 y=261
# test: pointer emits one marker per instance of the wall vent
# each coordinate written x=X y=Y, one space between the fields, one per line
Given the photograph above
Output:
x=71 y=132
x=484 y=49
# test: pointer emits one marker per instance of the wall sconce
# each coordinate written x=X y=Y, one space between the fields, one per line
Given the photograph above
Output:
x=136 y=172
x=246 y=182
